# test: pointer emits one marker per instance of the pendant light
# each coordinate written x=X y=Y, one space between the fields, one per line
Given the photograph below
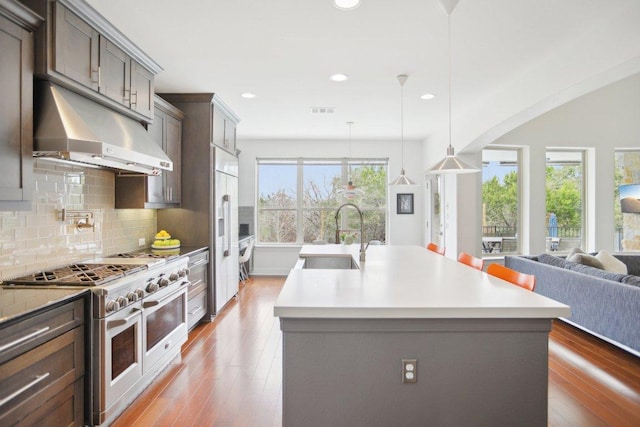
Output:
x=451 y=164
x=402 y=179
x=350 y=191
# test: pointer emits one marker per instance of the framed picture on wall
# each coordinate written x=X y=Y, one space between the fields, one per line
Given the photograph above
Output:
x=405 y=203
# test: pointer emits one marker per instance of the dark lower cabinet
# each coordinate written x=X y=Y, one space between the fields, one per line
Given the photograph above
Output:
x=42 y=368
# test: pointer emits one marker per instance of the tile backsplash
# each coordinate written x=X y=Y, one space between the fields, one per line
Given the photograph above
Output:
x=34 y=240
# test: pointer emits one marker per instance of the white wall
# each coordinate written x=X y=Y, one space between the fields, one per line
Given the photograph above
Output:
x=599 y=122
x=403 y=229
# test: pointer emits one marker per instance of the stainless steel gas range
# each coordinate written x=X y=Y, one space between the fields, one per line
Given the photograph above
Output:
x=138 y=321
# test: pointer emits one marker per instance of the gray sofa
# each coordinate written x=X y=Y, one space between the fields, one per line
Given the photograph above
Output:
x=602 y=303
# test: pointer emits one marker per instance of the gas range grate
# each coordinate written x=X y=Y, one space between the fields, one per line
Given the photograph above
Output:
x=148 y=254
x=78 y=275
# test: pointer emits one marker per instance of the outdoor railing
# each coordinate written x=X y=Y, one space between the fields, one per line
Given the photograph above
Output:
x=505 y=231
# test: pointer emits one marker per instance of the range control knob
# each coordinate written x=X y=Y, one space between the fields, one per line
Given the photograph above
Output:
x=152 y=287
x=132 y=297
x=173 y=277
x=122 y=302
x=139 y=293
x=163 y=282
x=183 y=272
x=110 y=306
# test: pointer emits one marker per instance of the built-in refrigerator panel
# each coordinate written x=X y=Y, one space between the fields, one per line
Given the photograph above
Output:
x=226 y=269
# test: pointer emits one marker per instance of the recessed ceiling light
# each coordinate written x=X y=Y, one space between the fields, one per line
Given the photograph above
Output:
x=248 y=95
x=339 y=77
x=346 y=4
x=428 y=96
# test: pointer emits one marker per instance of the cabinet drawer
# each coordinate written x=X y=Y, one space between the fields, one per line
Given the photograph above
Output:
x=28 y=333
x=198 y=259
x=33 y=378
x=196 y=308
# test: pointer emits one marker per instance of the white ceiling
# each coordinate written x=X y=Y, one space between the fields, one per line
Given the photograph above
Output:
x=285 y=50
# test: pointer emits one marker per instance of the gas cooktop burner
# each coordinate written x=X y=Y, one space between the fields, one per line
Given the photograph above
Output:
x=78 y=275
x=147 y=254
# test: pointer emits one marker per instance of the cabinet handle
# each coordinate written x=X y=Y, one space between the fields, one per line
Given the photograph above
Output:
x=195 y=310
x=24 y=338
x=126 y=92
x=24 y=388
x=136 y=95
x=96 y=73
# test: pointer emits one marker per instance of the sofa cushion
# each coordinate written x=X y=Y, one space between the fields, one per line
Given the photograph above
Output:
x=611 y=263
x=586 y=259
x=592 y=271
x=631 y=280
x=552 y=260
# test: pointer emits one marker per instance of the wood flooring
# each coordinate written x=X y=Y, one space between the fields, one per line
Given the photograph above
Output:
x=230 y=374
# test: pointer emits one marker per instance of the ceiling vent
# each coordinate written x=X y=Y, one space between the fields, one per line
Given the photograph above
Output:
x=322 y=110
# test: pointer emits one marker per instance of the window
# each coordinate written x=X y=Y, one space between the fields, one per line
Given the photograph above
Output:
x=627 y=193
x=500 y=201
x=564 y=200
x=298 y=199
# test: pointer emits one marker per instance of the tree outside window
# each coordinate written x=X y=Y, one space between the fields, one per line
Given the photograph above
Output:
x=284 y=218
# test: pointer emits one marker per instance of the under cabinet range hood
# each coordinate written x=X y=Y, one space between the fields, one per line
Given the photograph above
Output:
x=70 y=127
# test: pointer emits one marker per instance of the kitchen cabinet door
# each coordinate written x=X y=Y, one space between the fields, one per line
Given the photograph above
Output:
x=16 y=126
x=141 y=89
x=229 y=135
x=217 y=123
x=173 y=148
x=76 y=48
x=115 y=72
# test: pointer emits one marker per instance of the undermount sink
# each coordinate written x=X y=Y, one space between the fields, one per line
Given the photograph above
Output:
x=328 y=262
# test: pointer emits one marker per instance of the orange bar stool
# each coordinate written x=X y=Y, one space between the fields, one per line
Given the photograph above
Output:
x=527 y=281
x=435 y=248
x=471 y=261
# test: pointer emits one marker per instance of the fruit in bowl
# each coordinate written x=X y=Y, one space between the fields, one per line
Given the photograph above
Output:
x=166 y=242
x=163 y=235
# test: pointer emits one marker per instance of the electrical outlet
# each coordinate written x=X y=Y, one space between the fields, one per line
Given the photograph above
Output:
x=141 y=242
x=409 y=370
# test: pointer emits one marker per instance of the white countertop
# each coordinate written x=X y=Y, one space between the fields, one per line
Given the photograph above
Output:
x=405 y=282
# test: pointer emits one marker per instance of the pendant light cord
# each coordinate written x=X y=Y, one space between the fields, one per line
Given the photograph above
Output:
x=449 y=54
x=402 y=125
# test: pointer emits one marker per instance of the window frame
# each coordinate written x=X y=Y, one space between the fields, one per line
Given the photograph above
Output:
x=300 y=209
x=519 y=201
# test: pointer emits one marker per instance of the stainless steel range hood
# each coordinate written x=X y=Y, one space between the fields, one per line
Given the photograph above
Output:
x=71 y=127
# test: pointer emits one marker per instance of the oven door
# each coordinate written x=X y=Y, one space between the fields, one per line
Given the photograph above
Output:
x=118 y=361
x=165 y=325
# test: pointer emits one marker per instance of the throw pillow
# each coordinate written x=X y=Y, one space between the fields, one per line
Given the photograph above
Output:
x=631 y=280
x=575 y=251
x=552 y=260
x=611 y=263
x=586 y=259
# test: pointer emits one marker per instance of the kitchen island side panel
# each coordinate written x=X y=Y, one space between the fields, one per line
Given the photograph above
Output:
x=347 y=372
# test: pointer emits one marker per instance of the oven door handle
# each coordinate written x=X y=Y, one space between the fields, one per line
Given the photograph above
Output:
x=120 y=322
x=153 y=303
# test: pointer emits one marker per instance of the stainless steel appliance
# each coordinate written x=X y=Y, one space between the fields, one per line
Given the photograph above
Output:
x=138 y=321
x=209 y=213
x=226 y=228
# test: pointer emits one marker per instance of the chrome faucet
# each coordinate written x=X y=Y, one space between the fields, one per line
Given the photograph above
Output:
x=362 y=247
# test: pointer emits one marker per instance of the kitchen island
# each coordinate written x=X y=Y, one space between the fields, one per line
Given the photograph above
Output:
x=478 y=345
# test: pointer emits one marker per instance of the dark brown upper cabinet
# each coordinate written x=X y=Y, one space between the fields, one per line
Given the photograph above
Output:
x=16 y=89
x=81 y=50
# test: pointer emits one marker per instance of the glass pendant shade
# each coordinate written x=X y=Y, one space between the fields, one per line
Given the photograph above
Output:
x=402 y=179
x=452 y=164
